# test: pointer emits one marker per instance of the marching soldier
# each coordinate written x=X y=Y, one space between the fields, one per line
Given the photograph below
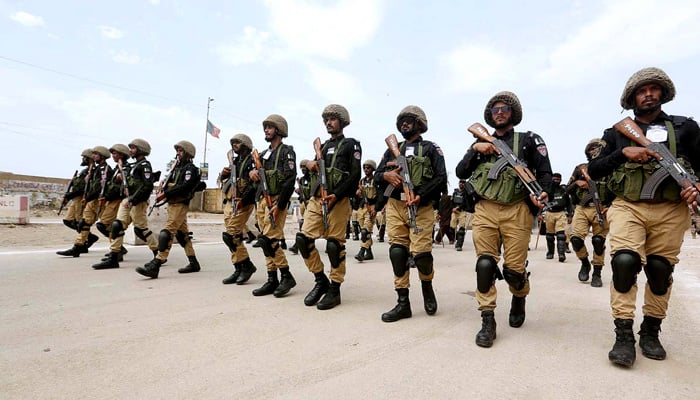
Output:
x=426 y=167
x=136 y=185
x=279 y=163
x=459 y=223
x=75 y=193
x=101 y=172
x=244 y=201
x=556 y=218
x=645 y=234
x=342 y=156
x=505 y=213
x=586 y=216
x=183 y=181
x=304 y=193
x=367 y=214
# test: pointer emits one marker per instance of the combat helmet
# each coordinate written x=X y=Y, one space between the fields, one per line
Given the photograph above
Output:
x=120 y=148
x=187 y=147
x=243 y=139
x=86 y=153
x=338 y=111
x=278 y=122
x=510 y=99
x=593 y=148
x=415 y=112
x=371 y=163
x=103 y=151
x=141 y=145
x=643 y=77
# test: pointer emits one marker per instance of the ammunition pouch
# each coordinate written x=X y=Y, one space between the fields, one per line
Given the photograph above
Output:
x=421 y=169
x=505 y=188
x=633 y=181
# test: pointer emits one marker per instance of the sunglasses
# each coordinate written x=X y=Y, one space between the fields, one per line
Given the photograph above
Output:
x=503 y=109
x=367 y=166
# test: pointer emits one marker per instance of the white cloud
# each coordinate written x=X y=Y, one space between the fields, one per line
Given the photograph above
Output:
x=111 y=32
x=333 y=84
x=124 y=57
x=325 y=31
x=27 y=19
x=474 y=68
x=250 y=47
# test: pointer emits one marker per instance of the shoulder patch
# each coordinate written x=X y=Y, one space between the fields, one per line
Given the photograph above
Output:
x=439 y=150
x=357 y=155
x=542 y=149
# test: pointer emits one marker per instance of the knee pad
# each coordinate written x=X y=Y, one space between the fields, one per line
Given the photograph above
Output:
x=117 y=229
x=228 y=241
x=598 y=245
x=82 y=226
x=658 y=271
x=142 y=233
x=334 y=248
x=424 y=263
x=398 y=255
x=182 y=238
x=577 y=243
x=561 y=236
x=550 y=237
x=460 y=234
x=102 y=228
x=364 y=235
x=266 y=246
x=304 y=245
x=69 y=223
x=164 y=239
x=626 y=264
x=515 y=279
x=486 y=273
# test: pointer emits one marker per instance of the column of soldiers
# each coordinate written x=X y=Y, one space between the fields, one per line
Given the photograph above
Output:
x=611 y=194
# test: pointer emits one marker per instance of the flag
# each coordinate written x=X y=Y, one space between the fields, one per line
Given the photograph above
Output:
x=212 y=129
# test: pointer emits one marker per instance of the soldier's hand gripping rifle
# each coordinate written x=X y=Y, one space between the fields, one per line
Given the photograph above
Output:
x=407 y=183
x=232 y=182
x=124 y=186
x=88 y=177
x=507 y=157
x=669 y=164
x=161 y=187
x=323 y=181
x=65 y=195
x=103 y=186
x=595 y=196
x=265 y=187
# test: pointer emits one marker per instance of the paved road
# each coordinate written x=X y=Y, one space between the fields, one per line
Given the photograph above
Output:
x=67 y=331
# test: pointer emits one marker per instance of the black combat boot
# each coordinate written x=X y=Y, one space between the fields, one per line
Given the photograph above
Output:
x=74 y=251
x=487 y=334
x=516 y=318
x=331 y=298
x=347 y=230
x=368 y=254
x=382 y=230
x=459 y=239
x=623 y=352
x=595 y=280
x=150 y=269
x=429 y=300
x=283 y=244
x=247 y=270
x=401 y=310
x=111 y=262
x=319 y=289
x=649 y=339
x=360 y=256
x=561 y=250
x=234 y=276
x=585 y=269
x=567 y=248
x=92 y=238
x=287 y=282
x=269 y=286
x=122 y=252
x=355 y=230
x=550 y=247
x=251 y=237
x=193 y=266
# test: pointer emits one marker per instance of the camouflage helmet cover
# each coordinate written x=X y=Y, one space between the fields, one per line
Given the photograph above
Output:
x=120 y=148
x=593 y=148
x=415 y=112
x=86 y=153
x=338 y=111
x=371 y=163
x=103 y=151
x=141 y=145
x=243 y=139
x=278 y=122
x=643 y=77
x=510 y=99
x=187 y=147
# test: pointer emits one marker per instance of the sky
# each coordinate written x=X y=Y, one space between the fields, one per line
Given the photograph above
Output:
x=77 y=74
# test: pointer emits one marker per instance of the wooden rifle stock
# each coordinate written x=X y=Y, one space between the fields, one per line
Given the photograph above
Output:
x=407 y=184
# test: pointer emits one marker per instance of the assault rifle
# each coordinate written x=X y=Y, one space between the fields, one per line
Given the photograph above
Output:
x=88 y=177
x=70 y=186
x=669 y=164
x=507 y=157
x=124 y=186
x=594 y=195
x=232 y=182
x=103 y=186
x=323 y=181
x=161 y=187
x=265 y=187
x=407 y=183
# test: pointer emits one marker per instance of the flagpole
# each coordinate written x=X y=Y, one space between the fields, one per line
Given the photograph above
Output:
x=206 y=129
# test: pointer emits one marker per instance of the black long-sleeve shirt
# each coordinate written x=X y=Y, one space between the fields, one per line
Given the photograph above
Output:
x=347 y=160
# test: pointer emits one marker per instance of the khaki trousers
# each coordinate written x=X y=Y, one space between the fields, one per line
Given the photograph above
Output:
x=275 y=234
x=585 y=218
x=136 y=215
x=400 y=233
x=177 y=222
x=75 y=210
x=236 y=227
x=366 y=219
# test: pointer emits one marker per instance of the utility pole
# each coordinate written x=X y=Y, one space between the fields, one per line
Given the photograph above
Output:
x=206 y=131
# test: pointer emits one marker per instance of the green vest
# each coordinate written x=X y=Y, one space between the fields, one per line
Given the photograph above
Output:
x=507 y=188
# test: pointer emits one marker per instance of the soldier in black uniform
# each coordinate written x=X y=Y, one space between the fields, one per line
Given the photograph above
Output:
x=75 y=194
x=366 y=214
x=177 y=191
x=304 y=194
x=557 y=216
x=460 y=220
x=645 y=234
x=504 y=215
x=426 y=165
x=279 y=162
x=342 y=156
x=235 y=223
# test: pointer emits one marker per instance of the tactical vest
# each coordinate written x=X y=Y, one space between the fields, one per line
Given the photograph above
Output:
x=507 y=188
x=558 y=202
x=241 y=184
x=628 y=180
x=135 y=184
x=420 y=168
x=275 y=177
x=457 y=197
x=368 y=189
x=334 y=176
x=305 y=187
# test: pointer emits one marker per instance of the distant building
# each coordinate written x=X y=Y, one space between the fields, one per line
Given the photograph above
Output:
x=40 y=190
